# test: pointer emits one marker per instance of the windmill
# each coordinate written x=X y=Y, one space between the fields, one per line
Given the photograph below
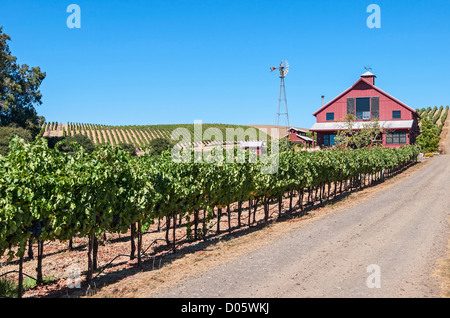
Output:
x=282 y=110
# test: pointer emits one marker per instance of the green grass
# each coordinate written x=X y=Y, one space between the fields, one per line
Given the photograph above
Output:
x=10 y=288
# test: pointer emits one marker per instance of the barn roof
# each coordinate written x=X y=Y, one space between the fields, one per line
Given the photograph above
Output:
x=299 y=136
x=298 y=129
x=368 y=74
x=253 y=144
x=304 y=138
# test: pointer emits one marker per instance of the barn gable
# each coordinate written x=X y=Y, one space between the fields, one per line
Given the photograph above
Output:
x=340 y=105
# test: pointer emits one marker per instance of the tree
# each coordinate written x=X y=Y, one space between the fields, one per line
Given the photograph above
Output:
x=158 y=145
x=7 y=132
x=19 y=90
x=428 y=139
x=358 y=138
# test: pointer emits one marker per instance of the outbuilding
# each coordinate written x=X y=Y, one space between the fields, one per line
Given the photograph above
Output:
x=299 y=136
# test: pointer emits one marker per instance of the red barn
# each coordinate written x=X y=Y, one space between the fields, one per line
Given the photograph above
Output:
x=366 y=102
x=298 y=136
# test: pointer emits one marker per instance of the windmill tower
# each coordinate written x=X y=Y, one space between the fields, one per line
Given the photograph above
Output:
x=282 y=109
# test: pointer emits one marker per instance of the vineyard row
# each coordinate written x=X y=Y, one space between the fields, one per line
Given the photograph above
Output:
x=49 y=195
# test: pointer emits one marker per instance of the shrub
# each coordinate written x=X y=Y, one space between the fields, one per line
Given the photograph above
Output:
x=128 y=147
x=82 y=140
x=158 y=145
x=428 y=140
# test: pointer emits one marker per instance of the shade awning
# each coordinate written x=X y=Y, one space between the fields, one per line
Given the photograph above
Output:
x=304 y=138
x=389 y=124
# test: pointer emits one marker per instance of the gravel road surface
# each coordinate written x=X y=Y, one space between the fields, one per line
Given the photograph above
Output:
x=385 y=246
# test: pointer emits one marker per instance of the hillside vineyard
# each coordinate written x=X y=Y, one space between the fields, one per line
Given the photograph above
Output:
x=140 y=136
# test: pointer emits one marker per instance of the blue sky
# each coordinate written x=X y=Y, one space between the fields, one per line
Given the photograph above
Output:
x=164 y=61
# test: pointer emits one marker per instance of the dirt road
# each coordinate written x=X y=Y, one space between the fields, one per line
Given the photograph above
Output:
x=389 y=242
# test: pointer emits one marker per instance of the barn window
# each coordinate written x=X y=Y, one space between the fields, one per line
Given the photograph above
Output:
x=330 y=116
x=363 y=108
x=396 y=114
x=396 y=138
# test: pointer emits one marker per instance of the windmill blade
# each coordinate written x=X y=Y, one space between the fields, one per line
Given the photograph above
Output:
x=283 y=68
x=285 y=65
